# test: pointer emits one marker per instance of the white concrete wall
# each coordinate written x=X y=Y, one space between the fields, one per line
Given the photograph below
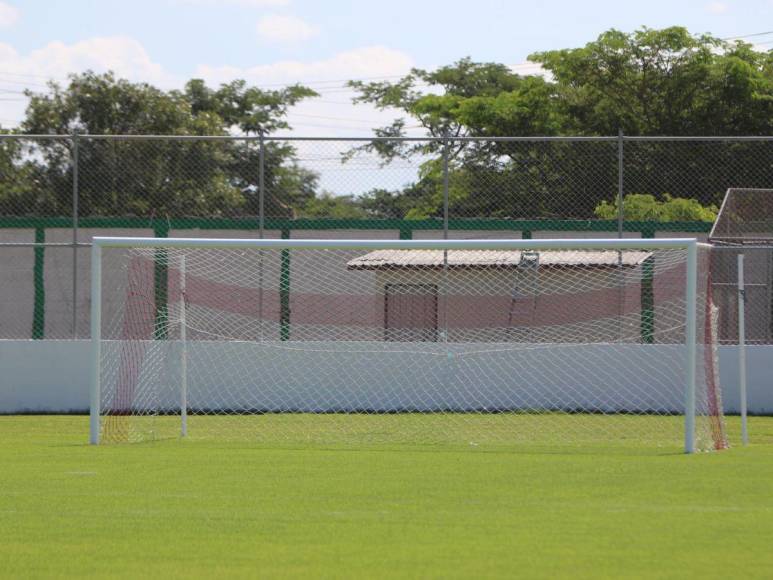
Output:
x=53 y=376
x=44 y=375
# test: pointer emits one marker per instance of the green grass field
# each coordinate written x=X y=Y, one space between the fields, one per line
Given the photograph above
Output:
x=195 y=509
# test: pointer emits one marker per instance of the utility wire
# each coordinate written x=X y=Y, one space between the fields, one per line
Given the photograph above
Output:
x=747 y=35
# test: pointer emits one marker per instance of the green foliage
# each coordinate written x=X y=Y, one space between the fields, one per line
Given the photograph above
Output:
x=648 y=82
x=382 y=203
x=662 y=82
x=439 y=113
x=645 y=207
x=153 y=177
x=327 y=205
x=251 y=109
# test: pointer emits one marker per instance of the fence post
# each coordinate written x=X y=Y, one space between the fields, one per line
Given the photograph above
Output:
x=96 y=342
x=445 y=187
x=39 y=311
x=742 y=349
x=183 y=353
x=444 y=285
x=284 y=290
x=75 y=211
x=691 y=337
x=620 y=185
x=160 y=281
x=261 y=186
x=261 y=224
x=647 y=301
x=621 y=275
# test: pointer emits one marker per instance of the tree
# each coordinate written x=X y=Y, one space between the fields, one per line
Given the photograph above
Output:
x=662 y=82
x=327 y=205
x=19 y=187
x=649 y=82
x=164 y=177
x=466 y=89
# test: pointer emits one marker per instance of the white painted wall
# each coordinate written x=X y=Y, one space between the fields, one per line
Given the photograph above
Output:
x=44 y=375
x=53 y=376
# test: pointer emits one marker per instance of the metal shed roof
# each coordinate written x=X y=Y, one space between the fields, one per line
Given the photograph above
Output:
x=381 y=259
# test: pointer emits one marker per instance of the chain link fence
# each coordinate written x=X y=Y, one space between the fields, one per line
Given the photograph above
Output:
x=57 y=191
x=758 y=292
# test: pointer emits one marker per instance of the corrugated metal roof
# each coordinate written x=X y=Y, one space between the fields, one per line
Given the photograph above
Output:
x=493 y=258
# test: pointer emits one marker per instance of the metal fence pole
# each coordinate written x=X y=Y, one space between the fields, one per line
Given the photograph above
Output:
x=96 y=343
x=183 y=353
x=691 y=336
x=261 y=224
x=620 y=217
x=75 y=211
x=620 y=194
x=445 y=189
x=742 y=349
x=445 y=237
x=262 y=185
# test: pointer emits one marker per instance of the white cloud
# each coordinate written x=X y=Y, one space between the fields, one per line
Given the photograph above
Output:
x=285 y=29
x=529 y=68
x=371 y=61
x=123 y=55
x=8 y=15
x=332 y=114
x=716 y=7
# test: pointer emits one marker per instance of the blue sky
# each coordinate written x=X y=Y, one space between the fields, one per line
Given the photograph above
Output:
x=272 y=42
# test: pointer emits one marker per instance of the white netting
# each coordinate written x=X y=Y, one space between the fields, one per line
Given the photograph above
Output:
x=562 y=346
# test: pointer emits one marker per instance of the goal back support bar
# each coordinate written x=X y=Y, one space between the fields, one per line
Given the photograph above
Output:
x=690 y=246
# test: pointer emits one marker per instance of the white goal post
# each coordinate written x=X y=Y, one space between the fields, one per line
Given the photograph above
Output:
x=560 y=341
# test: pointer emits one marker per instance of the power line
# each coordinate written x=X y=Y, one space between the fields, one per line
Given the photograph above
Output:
x=356 y=120
x=320 y=126
x=16 y=74
x=284 y=84
x=748 y=35
x=23 y=83
x=347 y=103
x=343 y=89
x=325 y=85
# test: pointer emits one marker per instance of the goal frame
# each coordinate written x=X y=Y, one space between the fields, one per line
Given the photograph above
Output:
x=690 y=245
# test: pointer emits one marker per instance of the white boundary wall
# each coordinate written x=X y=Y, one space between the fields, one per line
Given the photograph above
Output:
x=52 y=376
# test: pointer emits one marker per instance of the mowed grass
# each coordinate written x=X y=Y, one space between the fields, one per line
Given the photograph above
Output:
x=199 y=509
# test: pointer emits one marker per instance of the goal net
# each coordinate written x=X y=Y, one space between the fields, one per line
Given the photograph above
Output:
x=553 y=342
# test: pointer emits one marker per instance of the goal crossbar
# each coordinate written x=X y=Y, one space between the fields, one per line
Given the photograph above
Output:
x=531 y=244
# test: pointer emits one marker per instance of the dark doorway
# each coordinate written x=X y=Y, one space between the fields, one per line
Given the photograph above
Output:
x=411 y=312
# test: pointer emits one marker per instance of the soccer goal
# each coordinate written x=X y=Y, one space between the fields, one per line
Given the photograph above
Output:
x=485 y=342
